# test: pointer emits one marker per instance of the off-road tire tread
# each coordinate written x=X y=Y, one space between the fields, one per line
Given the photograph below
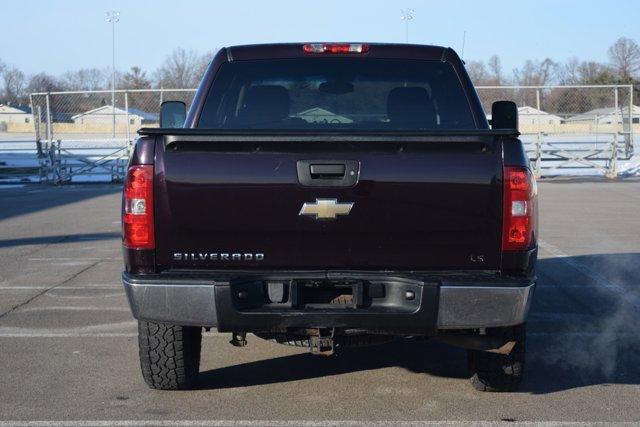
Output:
x=169 y=355
x=496 y=372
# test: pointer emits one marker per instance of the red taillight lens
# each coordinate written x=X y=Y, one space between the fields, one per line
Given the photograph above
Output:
x=335 y=48
x=519 y=209
x=137 y=210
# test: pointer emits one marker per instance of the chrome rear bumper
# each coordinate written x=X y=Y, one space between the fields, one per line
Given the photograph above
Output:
x=191 y=301
x=464 y=307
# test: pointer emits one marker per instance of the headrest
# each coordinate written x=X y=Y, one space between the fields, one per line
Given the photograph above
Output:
x=265 y=104
x=411 y=105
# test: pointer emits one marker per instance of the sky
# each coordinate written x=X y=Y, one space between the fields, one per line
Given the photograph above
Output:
x=58 y=35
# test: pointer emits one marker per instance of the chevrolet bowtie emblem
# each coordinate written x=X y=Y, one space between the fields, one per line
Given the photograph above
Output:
x=326 y=209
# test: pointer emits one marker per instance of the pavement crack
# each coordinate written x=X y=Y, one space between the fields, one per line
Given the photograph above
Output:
x=44 y=291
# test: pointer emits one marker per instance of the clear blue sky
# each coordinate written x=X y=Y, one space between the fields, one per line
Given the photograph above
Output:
x=54 y=36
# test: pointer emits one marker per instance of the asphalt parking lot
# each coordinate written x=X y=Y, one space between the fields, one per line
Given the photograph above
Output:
x=68 y=349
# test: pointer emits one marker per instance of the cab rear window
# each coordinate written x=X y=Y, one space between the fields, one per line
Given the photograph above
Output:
x=337 y=93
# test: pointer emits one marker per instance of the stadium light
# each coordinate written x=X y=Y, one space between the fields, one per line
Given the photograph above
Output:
x=407 y=15
x=113 y=17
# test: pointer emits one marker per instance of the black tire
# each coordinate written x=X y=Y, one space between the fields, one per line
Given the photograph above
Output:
x=499 y=372
x=169 y=355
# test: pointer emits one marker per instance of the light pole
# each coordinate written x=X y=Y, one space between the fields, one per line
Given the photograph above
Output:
x=113 y=17
x=406 y=15
x=464 y=40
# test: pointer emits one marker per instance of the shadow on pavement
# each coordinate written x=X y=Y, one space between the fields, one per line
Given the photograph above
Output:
x=420 y=357
x=52 y=240
x=34 y=198
x=581 y=332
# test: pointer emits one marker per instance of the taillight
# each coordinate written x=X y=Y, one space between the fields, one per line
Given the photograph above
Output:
x=137 y=215
x=519 y=209
x=335 y=48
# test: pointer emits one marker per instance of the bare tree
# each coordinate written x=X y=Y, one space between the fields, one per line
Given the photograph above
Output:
x=14 y=85
x=182 y=69
x=495 y=70
x=570 y=72
x=477 y=72
x=43 y=82
x=86 y=79
x=488 y=75
x=536 y=73
x=624 y=56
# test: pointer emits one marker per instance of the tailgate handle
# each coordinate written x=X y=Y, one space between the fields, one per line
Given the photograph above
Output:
x=327 y=171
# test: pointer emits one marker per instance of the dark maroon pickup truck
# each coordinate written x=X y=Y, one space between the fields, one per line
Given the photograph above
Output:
x=330 y=195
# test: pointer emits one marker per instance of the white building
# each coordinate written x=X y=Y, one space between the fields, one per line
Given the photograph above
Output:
x=607 y=116
x=20 y=114
x=529 y=116
x=104 y=116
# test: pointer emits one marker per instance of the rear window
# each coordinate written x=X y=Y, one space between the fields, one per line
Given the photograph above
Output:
x=337 y=93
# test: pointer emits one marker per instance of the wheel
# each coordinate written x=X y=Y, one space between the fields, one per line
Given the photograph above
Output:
x=169 y=355
x=499 y=372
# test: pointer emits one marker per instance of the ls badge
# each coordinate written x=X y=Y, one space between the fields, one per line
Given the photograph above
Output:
x=325 y=208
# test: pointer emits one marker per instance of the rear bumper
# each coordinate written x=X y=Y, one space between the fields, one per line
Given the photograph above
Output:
x=437 y=304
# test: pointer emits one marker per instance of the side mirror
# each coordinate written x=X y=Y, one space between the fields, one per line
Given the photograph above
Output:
x=504 y=115
x=173 y=114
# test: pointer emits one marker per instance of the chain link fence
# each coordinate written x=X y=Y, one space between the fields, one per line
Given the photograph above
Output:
x=572 y=129
x=90 y=133
x=100 y=115
x=565 y=128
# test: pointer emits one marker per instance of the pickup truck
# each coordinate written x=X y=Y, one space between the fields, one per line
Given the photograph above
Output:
x=331 y=195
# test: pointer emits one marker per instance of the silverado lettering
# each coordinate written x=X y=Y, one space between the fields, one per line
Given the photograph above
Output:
x=215 y=256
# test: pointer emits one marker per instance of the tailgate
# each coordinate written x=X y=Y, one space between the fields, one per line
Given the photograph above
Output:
x=414 y=205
